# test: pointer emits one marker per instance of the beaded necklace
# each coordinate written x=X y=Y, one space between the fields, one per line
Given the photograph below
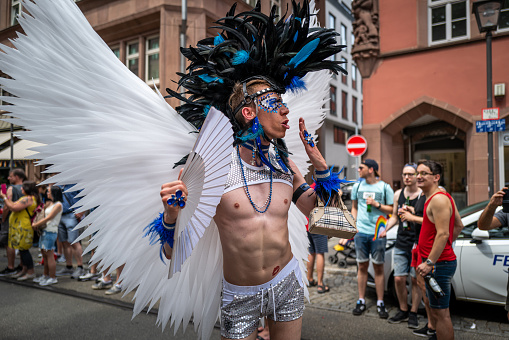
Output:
x=255 y=206
x=250 y=145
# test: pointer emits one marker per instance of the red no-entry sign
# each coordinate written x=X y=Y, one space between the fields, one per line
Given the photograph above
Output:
x=356 y=145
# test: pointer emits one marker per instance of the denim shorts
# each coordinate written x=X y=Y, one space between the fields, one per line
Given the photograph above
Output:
x=47 y=240
x=364 y=246
x=402 y=261
x=317 y=243
x=65 y=228
x=444 y=271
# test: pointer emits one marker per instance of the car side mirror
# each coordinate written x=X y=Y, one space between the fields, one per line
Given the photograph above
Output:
x=479 y=235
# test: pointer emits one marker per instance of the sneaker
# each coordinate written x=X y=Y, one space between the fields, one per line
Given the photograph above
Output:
x=413 y=321
x=77 y=273
x=48 y=281
x=114 y=290
x=382 y=312
x=359 y=308
x=399 y=317
x=17 y=274
x=102 y=285
x=61 y=259
x=7 y=271
x=424 y=331
x=88 y=276
x=65 y=271
x=26 y=277
x=433 y=337
x=40 y=278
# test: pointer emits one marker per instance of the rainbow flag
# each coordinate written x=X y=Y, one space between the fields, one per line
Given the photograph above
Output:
x=380 y=226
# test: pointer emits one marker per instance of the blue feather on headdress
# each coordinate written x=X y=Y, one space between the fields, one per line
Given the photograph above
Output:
x=218 y=39
x=296 y=85
x=304 y=53
x=240 y=57
x=206 y=110
x=208 y=79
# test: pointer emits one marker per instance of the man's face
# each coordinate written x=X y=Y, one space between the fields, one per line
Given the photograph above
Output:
x=409 y=176
x=12 y=178
x=272 y=114
x=425 y=178
x=363 y=171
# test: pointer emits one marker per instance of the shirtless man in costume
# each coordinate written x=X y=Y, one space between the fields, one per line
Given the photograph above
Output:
x=257 y=256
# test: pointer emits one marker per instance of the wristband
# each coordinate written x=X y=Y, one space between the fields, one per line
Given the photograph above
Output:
x=323 y=175
x=159 y=231
x=300 y=190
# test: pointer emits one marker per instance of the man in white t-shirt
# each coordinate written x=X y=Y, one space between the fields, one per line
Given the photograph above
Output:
x=371 y=199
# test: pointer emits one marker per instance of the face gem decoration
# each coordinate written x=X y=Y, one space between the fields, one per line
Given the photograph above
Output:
x=270 y=102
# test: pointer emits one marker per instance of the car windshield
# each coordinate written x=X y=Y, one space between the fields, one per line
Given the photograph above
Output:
x=473 y=208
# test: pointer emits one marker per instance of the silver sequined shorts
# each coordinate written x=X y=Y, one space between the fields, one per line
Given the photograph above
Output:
x=280 y=299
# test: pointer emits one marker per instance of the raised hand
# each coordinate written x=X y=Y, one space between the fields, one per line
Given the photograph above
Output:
x=169 y=192
x=314 y=154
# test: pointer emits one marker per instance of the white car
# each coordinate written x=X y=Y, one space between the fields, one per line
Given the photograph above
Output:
x=483 y=261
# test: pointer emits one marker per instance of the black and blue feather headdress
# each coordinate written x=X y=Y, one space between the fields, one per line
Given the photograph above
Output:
x=253 y=45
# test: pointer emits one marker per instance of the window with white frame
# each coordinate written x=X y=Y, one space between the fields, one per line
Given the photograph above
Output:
x=15 y=10
x=332 y=21
x=354 y=76
x=333 y=101
x=133 y=57
x=343 y=35
x=276 y=3
x=503 y=21
x=152 y=60
x=448 y=20
x=344 y=64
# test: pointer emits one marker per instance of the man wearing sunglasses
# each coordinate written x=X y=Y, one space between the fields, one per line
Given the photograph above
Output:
x=371 y=198
x=440 y=227
x=405 y=198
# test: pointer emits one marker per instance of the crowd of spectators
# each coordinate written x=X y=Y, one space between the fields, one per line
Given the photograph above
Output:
x=40 y=216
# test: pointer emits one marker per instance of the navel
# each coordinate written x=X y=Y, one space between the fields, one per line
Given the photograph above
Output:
x=236 y=205
x=286 y=200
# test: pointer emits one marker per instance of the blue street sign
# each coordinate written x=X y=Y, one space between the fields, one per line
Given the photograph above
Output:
x=490 y=125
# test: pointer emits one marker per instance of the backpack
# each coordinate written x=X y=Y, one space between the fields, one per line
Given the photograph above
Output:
x=38 y=215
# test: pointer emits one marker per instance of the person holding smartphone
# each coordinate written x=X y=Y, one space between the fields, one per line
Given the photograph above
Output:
x=491 y=220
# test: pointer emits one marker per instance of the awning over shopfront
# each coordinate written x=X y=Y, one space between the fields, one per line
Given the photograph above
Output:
x=4 y=137
x=21 y=149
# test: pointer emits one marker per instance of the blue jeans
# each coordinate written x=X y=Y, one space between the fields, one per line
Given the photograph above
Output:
x=444 y=271
x=364 y=246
